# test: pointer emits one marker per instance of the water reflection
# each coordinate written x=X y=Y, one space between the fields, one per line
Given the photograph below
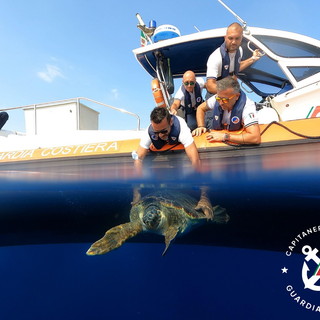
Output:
x=217 y=166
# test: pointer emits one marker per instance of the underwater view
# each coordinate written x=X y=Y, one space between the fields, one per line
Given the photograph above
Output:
x=259 y=263
x=103 y=216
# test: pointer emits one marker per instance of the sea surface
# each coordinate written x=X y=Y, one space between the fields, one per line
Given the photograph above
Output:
x=51 y=215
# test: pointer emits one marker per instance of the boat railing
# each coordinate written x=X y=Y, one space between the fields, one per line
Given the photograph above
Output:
x=77 y=100
x=110 y=107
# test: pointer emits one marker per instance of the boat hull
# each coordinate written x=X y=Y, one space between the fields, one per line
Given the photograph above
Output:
x=278 y=134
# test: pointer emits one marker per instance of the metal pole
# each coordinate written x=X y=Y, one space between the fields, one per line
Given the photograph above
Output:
x=35 y=118
x=114 y=108
x=78 y=113
x=233 y=13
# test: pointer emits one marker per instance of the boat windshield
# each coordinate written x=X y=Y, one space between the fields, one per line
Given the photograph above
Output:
x=289 y=48
x=265 y=77
x=304 y=72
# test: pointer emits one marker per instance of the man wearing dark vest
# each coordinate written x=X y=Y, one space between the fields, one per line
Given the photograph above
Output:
x=232 y=111
x=226 y=60
x=166 y=129
x=169 y=129
x=188 y=98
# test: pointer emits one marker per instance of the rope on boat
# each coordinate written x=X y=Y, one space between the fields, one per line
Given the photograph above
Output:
x=291 y=131
x=233 y=144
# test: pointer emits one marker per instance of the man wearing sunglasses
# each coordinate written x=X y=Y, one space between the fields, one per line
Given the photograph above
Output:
x=226 y=60
x=166 y=129
x=188 y=98
x=232 y=111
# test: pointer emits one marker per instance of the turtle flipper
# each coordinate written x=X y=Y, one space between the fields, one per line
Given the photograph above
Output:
x=204 y=204
x=169 y=235
x=220 y=215
x=136 y=195
x=114 y=238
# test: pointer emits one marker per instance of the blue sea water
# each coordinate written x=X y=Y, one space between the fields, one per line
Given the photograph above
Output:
x=193 y=282
x=231 y=271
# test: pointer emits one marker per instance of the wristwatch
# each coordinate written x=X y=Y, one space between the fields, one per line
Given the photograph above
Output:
x=226 y=137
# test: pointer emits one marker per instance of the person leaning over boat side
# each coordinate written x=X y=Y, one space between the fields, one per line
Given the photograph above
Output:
x=3 y=119
x=188 y=98
x=166 y=129
x=226 y=60
x=232 y=110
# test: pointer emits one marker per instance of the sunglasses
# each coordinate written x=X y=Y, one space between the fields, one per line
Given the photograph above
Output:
x=189 y=83
x=224 y=100
x=164 y=131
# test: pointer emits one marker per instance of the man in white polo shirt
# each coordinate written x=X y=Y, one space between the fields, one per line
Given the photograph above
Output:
x=188 y=98
x=167 y=129
x=227 y=59
x=233 y=111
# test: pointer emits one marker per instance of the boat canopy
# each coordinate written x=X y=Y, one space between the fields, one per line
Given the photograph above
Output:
x=290 y=61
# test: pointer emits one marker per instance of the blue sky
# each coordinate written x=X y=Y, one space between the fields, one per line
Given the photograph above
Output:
x=60 y=49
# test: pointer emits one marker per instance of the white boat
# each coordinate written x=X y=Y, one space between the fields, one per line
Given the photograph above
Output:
x=286 y=78
x=286 y=81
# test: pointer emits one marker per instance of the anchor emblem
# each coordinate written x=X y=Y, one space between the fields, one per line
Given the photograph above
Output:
x=311 y=254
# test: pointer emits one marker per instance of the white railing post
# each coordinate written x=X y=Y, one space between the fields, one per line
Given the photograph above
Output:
x=78 y=113
x=35 y=118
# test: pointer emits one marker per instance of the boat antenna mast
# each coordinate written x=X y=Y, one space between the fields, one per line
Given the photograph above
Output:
x=147 y=31
x=244 y=23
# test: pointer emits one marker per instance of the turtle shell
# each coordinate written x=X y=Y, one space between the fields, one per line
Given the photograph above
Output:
x=177 y=202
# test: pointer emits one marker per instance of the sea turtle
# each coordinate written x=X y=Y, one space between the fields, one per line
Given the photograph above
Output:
x=162 y=212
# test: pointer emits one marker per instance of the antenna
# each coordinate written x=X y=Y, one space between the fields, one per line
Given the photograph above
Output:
x=233 y=13
x=196 y=28
x=147 y=31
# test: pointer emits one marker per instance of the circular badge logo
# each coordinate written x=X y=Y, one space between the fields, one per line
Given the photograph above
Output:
x=235 y=120
x=154 y=137
x=301 y=270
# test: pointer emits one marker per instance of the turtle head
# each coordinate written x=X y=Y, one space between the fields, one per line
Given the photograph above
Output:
x=152 y=217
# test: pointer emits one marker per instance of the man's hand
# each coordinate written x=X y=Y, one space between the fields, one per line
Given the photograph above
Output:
x=215 y=136
x=257 y=54
x=173 y=111
x=204 y=204
x=199 y=131
x=136 y=195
